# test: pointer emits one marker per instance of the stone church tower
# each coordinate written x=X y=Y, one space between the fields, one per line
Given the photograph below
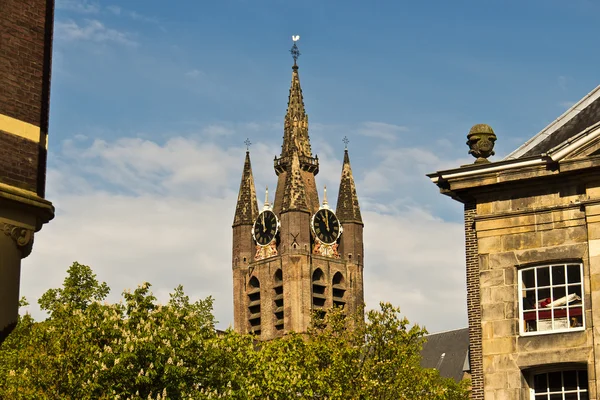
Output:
x=297 y=254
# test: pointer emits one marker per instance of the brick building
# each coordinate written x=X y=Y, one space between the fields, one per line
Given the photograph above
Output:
x=297 y=254
x=532 y=228
x=25 y=61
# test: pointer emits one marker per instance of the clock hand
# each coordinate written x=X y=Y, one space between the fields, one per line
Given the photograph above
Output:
x=326 y=220
x=263 y=222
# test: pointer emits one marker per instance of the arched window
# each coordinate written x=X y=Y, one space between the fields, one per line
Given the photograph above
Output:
x=278 y=299
x=339 y=289
x=318 y=288
x=254 y=305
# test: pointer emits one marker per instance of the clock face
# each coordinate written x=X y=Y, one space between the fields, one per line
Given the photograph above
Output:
x=265 y=227
x=326 y=226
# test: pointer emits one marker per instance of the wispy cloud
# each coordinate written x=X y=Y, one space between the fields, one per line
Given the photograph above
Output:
x=114 y=9
x=195 y=74
x=566 y=104
x=91 y=30
x=381 y=130
x=136 y=16
x=79 y=6
x=563 y=82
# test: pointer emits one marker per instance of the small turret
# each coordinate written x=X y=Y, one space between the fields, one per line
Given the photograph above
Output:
x=348 y=211
x=246 y=210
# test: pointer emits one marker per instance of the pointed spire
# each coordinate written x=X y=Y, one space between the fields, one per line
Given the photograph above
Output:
x=348 y=209
x=294 y=197
x=325 y=203
x=296 y=119
x=246 y=210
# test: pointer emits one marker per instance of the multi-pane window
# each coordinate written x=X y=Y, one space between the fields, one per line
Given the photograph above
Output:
x=561 y=385
x=551 y=298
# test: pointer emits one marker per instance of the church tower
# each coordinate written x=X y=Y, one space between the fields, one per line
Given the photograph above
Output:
x=297 y=254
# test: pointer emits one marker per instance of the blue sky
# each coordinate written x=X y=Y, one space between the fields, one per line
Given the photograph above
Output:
x=151 y=102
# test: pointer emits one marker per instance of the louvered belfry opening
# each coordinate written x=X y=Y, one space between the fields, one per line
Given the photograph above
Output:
x=318 y=289
x=278 y=299
x=254 y=305
x=339 y=289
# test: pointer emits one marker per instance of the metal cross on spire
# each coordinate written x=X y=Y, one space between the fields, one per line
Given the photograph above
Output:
x=248 y=143
x=346 y=141
x=295 y=52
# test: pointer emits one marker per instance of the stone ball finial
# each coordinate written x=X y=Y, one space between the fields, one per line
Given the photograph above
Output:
x=481 y=140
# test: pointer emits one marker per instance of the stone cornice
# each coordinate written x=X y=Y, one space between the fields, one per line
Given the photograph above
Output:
x=41 y=208
x=459 y=182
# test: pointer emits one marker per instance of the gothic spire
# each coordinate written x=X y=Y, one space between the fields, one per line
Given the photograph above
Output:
x=296 y=120
x=246 y=210
x=294 y=197
x=348 y=209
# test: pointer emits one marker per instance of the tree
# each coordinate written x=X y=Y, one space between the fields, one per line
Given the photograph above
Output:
x=139 y=349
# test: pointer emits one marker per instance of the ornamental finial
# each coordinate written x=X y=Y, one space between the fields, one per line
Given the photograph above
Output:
x=247 y=142
x=295 y=52
x=346 y=141
x=481 y=140
x=325 y=196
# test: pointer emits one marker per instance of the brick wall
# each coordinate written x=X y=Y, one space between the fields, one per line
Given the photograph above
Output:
x=25 y=61
x=473 y=302
x=18 y=161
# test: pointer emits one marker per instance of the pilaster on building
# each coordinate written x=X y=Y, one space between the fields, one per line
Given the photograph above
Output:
x=532 y=240
x=25 y=64
x=280 y=280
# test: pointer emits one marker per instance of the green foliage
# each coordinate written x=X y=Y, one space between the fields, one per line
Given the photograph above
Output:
x=138 y=349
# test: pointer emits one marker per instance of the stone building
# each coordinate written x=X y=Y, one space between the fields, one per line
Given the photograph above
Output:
x=297 y=254
x=532 y=227
x=25 y=60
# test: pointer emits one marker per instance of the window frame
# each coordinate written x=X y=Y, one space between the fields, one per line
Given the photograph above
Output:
x=550 y=286
x=534 y=395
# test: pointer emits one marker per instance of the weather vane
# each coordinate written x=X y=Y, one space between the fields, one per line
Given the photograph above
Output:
x=247 y=142
x=346 y=141
x=295 y=52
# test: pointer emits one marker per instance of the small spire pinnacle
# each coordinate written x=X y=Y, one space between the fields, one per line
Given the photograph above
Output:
x=294 y=197
x=248 y=143
x=325 y=196
x=348 y=209
x=246 y=209
x=267 y=205
x=346 y=141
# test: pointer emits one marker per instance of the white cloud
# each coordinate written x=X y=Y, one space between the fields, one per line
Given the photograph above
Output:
x=566 y=104
x=381 y=130
x=136 y=210
x=91 y=30
x=79 y=6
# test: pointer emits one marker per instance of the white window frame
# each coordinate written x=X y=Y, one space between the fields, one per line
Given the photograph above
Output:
x=563 y=392
x=520 y=271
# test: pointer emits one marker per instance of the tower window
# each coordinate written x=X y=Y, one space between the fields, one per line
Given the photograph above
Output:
x=551 y=298
x=278 y=299
x=254 y=305
x=339 y=289
x=318 y=288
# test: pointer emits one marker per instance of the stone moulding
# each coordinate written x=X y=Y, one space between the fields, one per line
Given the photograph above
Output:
x=22 y=237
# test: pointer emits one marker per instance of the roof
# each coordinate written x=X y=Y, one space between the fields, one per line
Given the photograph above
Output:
x=584 y=113
x=448 y=352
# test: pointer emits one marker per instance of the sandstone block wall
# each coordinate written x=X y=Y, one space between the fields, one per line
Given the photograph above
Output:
x=548 y=223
